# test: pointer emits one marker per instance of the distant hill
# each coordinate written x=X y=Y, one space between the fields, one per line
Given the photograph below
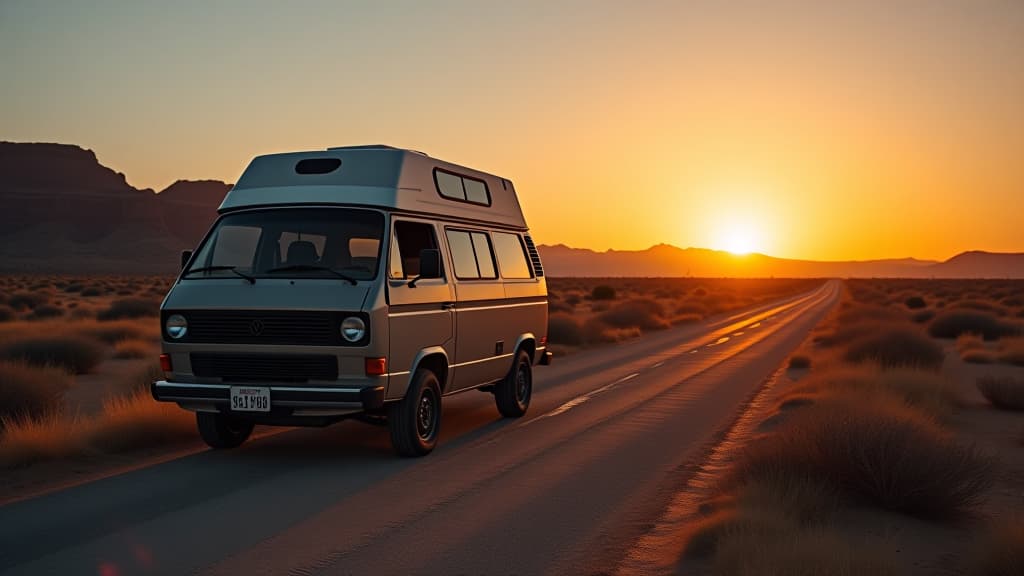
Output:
x=666 y=260
x=63 y=211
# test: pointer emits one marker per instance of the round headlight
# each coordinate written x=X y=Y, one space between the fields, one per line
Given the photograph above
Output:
x=176 y=326
x=353 y=329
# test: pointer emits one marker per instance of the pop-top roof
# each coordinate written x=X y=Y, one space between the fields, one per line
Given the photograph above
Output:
x=379 y=176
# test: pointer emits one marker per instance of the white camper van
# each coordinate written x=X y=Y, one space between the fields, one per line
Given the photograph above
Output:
x=363 y=281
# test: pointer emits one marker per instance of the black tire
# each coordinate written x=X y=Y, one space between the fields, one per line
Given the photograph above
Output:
x=512 y=395
x=221 y=431
x=415 y=421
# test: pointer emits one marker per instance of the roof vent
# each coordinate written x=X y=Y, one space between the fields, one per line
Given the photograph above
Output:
x=317 y=165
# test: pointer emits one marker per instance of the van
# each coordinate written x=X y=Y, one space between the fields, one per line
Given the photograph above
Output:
x=363 y=282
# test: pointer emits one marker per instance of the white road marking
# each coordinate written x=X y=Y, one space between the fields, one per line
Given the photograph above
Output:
x=658 y=364
x=581 y=399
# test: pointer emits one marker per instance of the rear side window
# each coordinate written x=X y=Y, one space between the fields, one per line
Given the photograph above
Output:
x=511 y=256
x=462 y=188
x=472 y=257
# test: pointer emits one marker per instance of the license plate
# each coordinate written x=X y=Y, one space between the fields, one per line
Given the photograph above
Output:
x=248 y=399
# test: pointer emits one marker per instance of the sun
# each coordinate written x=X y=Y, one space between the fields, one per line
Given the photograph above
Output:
x=737 y=237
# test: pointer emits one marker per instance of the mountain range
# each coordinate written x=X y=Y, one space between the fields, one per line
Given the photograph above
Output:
x=61 y=211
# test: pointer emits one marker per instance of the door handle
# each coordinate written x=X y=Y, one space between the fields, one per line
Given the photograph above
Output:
x=448 y=306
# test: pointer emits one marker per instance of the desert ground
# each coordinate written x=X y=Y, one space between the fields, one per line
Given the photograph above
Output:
x=894 y=443
x=888 y=439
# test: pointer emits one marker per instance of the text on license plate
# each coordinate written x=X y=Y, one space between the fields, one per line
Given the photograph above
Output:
x=250 y=399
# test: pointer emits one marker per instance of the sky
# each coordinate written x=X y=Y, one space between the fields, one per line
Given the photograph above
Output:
x=818 y=130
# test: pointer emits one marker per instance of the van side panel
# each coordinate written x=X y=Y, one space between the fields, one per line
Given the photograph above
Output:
x=531 y=315
x=481 y=318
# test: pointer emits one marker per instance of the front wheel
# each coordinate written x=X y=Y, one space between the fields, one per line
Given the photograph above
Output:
x=221 y=431
x=512 y=395
x=415 y=421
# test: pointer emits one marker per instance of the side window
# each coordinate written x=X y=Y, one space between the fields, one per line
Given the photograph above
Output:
x=461 y=188
x=511 y=256
x=472 y=257
x=408 y=239
x=235 y=246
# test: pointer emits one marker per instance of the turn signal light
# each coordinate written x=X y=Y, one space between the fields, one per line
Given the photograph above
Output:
x=165 y=363
x=376 y=366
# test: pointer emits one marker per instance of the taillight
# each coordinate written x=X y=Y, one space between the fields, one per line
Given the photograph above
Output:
x=376 y=366
x=165 y=363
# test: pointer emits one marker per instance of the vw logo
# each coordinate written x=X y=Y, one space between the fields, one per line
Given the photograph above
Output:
x=256 y=327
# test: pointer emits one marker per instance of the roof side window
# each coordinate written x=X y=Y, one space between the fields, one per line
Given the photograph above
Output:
x=462 y=188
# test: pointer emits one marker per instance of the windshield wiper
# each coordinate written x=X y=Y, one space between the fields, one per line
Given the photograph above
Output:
x=250 y=279
x=311 y=268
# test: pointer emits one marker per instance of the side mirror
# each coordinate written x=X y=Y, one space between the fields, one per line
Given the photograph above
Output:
x=430 y=265
x=186 y=255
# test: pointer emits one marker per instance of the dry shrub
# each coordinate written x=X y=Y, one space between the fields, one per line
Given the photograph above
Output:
x=564 y=329
x=28 y=391
x=602 y=292
x=978 y=357
x=691 y=308
x=45 y=311
x=687 y=318
x=641 y=313
x=982 y=305
x=1004 y=392
x=138 y=421
x=999 y=551
x=881 y=452
x=90 y=292
x=953 y=323
x=7 y=314
x=800 y=361
x=130 y=308
x=114 y=331
x=896 y=346
x=922 y=316
x=27 y=300
x=925 y=391
x=133 y=348
x=48 y=437
x=915 y=302
x=969 y=341
x=1011 y=351
x=598 y=332
x=71 y=352
x=770 y=549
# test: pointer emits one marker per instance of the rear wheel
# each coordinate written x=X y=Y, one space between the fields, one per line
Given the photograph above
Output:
x=512 y=395
x=222 y=431
x=415 y=421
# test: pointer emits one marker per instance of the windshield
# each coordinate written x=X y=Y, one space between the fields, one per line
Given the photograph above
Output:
x=292 y=243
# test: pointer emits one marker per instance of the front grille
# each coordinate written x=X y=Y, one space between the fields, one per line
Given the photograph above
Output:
x=283 y=327
x=538 y=268
x=265 y=367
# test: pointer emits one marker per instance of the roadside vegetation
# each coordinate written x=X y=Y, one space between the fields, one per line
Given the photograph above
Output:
x=587 y=312
x=875 y=423
x=73 y=342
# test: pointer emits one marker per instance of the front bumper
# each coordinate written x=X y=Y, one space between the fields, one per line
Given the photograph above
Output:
x=294 y=400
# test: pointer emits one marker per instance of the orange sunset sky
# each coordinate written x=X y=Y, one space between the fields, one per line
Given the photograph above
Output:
x=823 y=130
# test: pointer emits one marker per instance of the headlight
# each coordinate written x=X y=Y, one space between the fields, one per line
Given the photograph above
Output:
x=353 y=329
x=176 y=326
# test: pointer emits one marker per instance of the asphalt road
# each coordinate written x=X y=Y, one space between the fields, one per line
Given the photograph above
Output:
x=566 y=489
